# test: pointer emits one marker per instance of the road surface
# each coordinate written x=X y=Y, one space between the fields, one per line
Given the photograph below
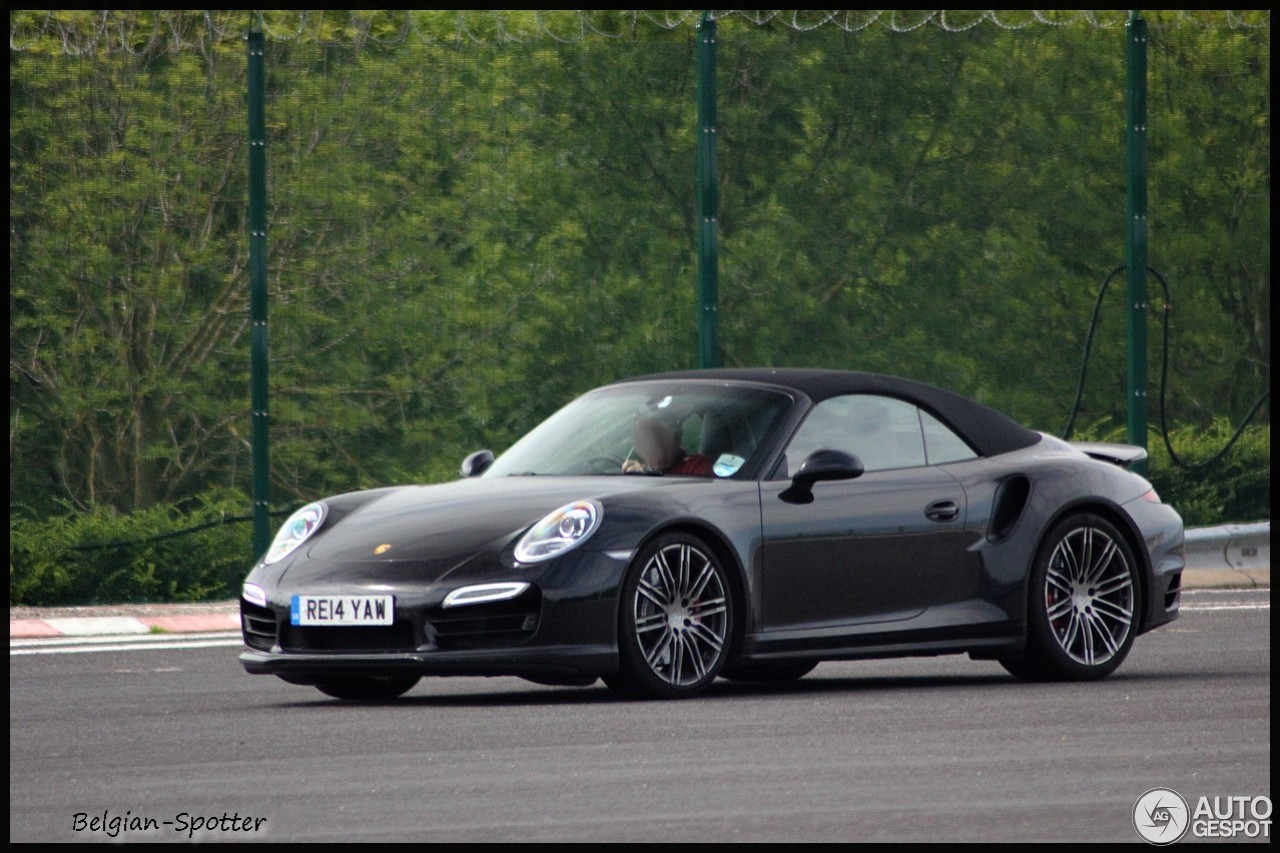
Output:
x=943 y=748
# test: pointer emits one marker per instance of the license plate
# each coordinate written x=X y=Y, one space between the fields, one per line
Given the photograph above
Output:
x=342 y=610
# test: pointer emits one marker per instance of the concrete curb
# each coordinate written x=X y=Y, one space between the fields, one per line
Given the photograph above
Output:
x=105 y=626
x=1198 y=578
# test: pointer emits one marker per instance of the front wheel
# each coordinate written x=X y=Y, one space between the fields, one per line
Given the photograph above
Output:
x=675 y=621
x=368 y=688
x=1083 y=606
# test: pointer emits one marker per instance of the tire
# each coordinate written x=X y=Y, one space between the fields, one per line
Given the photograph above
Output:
x=769 y=673
x=1082 y=612
x=368 y=688
x=675 y=620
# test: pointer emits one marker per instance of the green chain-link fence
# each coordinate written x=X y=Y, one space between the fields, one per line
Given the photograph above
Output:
x=473 y=217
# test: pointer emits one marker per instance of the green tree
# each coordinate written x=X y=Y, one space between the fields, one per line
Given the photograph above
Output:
x=464 y=233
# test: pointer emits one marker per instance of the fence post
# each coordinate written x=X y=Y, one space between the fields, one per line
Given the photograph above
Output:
x=1136 y=230
x=258 y=366
x=708 y=198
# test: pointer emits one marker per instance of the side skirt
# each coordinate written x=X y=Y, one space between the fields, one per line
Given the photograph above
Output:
x=987 y=648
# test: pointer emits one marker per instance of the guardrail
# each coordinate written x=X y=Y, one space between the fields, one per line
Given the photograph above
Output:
x=1239 y=547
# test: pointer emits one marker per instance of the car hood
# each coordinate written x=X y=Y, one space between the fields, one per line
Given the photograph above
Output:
x=438 y=528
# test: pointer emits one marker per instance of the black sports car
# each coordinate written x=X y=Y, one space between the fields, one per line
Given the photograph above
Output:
x=662 y=531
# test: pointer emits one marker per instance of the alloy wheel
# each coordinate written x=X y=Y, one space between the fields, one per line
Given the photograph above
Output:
x=680 y=614
x=1089 y=595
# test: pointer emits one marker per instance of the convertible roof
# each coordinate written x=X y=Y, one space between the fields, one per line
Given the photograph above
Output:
x=987 y=431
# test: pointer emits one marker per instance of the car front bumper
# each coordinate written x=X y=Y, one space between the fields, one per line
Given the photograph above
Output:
x=537 y=661
x=563 y=625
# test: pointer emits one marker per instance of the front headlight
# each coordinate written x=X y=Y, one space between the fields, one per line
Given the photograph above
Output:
x=296 y=530
x=565 y=529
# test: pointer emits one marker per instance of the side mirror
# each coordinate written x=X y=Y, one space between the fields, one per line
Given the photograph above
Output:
x=477 y=463
x=821 y=465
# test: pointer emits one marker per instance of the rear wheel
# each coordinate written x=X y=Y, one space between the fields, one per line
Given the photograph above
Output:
x=368 y=688
x=675 y=621
x=769 y=672
x=1082 y=612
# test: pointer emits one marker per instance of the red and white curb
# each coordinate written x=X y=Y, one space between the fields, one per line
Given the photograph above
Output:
x=122 y=626
x=1203 y=590
x=89 y=634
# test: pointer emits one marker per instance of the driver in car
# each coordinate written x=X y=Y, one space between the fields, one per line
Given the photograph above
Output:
x=657 y=442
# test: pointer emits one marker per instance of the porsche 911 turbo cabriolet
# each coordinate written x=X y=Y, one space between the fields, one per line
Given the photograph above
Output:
x=663 y=531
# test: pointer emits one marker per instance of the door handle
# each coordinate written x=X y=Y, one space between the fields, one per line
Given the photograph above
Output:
x=942 y=511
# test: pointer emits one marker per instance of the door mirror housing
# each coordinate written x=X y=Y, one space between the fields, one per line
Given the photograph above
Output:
x=476 y=463
x=819 y=466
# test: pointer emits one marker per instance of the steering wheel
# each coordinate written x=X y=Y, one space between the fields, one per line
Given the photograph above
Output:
x=607 y=464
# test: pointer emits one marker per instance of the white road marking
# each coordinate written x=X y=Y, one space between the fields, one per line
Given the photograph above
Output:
x=127 y=646
x=228 y=639
x=147 y=638
x=1205 y=600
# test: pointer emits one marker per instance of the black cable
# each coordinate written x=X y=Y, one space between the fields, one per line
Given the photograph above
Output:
x=1164 y=392
x=1088 y=347
x=1165 y=315
x=173 y=534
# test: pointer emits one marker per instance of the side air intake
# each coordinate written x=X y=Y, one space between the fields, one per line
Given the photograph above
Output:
x=1011 y=499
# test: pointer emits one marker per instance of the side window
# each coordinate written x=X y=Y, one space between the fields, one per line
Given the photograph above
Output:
x=691 y=433
x=882 y=432
x=941 y=445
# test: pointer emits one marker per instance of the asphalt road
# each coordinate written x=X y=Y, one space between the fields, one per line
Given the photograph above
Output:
x=930 y=749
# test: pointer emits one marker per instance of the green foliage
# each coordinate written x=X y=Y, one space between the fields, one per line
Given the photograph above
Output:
x=1237 y=488
x=465 y=234
x=49 y=562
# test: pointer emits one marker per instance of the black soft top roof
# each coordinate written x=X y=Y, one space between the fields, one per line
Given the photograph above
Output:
x=987 y=431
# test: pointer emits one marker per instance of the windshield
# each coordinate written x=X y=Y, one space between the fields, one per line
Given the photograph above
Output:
x=649 y=429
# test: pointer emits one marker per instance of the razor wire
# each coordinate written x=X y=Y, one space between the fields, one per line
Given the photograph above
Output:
x=82 y=32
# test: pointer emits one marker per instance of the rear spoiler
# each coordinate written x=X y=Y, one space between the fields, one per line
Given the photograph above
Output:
x=1124 y=455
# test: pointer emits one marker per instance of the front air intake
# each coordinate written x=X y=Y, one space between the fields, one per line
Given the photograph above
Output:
x=259 y=626
x=1175 y=590
x=486 y=626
